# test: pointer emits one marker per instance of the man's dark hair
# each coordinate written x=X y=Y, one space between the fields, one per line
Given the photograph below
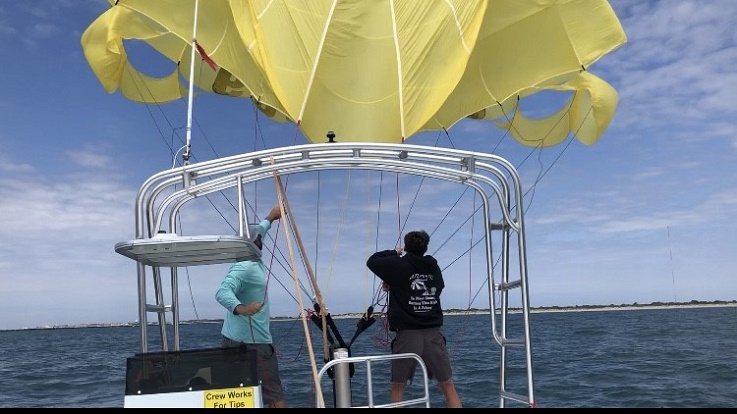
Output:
x=416 y=242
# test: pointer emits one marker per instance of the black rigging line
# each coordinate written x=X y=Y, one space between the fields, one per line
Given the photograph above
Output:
x=414 y=199
x=532 y=188
x=259 y=132
x=451 y=210
x=378 y=210
x=317 y=223
x=170 y=145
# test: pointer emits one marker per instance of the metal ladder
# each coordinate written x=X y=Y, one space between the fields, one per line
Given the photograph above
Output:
x=520 y=340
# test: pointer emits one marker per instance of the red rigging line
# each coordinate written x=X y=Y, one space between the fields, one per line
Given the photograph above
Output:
x=205 y=57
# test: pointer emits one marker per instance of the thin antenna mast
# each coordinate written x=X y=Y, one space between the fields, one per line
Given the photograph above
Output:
x=672 y=271
x=185 y=155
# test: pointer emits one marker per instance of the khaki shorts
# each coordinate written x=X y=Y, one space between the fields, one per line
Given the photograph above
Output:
x=429 y=344
x=267 y=367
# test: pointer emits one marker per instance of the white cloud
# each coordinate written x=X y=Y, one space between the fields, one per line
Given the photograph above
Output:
x=89 y=158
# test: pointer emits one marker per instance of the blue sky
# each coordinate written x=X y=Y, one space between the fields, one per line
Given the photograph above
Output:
x=644 y=215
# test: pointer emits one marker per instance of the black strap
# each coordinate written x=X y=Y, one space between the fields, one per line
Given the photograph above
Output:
x=331 y=325
x=364 y=323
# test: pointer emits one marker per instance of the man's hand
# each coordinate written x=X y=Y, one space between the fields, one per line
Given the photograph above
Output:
x=274 y=214
x=250 y=309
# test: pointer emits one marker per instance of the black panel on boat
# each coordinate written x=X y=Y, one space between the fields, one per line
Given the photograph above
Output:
x=201 y=369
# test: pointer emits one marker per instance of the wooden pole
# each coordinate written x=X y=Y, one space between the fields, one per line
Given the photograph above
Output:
x=310 y=272
x=282 y=203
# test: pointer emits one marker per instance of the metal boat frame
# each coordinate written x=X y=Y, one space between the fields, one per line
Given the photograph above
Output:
x=159 y=245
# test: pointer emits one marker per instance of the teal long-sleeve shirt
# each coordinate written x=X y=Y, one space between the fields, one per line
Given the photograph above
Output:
x=246 y=283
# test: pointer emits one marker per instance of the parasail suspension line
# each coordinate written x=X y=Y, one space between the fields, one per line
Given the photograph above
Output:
x=186 y=154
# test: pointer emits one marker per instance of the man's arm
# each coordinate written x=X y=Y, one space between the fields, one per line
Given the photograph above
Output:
x=382 y=263
x=274 y=214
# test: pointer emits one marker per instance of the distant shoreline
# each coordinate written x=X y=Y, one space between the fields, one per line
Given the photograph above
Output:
x=448 y=312
x=615 y=308
x=579 y=308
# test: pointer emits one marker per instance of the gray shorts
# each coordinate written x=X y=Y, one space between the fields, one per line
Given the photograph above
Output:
x=429 y=344
x=267 y=367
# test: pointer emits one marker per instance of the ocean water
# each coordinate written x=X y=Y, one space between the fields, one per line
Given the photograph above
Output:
x=661 y=358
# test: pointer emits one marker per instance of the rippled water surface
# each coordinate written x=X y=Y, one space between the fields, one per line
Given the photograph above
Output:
x=624 y=358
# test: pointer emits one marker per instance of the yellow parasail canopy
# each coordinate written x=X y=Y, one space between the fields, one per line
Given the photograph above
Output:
x=373 y=71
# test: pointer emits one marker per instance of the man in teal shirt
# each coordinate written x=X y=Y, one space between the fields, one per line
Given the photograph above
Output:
x=246 y=324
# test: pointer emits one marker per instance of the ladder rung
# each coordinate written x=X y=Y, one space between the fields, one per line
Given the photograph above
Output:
x=516 y=397
x=510 y=285
x=158 y=308
x=513 y=342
